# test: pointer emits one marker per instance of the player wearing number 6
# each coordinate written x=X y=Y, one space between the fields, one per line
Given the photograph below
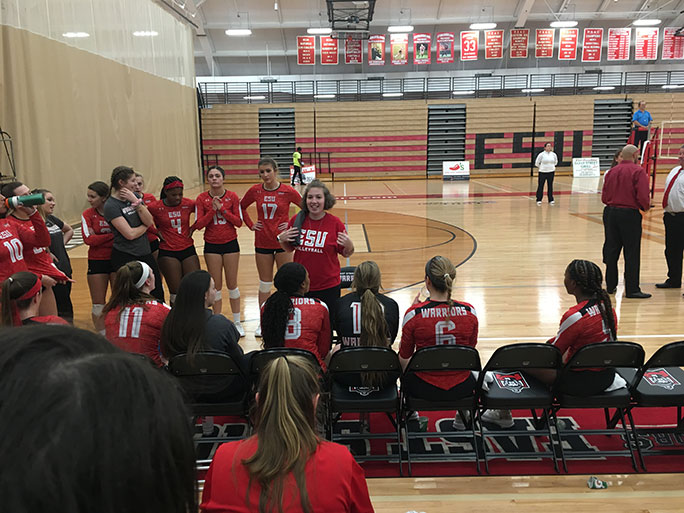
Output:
x=289 y=319
x=438 y=321
x=133 y=318
x=171 y=214
x=219 y=211
x=272 y=200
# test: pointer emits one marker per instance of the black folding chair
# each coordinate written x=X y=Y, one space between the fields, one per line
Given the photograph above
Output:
x=348 y=374
x=659 y=383
x=347 y=276
x=605 y=355
x=444 y=358
x=513 y=387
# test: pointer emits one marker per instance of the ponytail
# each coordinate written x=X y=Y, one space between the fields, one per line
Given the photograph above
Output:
x=285 y=428
x=442 y=274
x=124 y=291
x=589 y=277
x=12 y=296
x=278 y=306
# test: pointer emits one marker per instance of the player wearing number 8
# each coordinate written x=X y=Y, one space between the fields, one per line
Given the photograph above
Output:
x=171 y=214
x=437 y=321
x=289 y=319
x=133 y=318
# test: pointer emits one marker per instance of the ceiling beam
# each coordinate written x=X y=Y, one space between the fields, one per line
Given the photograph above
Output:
x=524 y=13
x=204 y=40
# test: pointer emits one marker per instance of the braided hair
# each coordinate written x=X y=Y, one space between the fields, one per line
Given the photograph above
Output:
x=278 y=306
x=589 y=278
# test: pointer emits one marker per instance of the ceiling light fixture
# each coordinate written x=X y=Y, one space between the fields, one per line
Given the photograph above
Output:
x=672 y=86
x=604 y=88
x=400 y=28
x=324 y=96
x=145 y=33
x=392 y=95
x=482 y=26
x=258 y=97
x=319 y=30
x=563 y=24
x=532 y=90
x=647 y=22
x=463 y=92
x=75 y=34
x=239 y=32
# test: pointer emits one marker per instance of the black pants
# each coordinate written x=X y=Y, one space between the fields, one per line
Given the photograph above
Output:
x=622 y=227
x=424 y=390
x=120 y=258
x=329 y=297
x=587 y=382
x=640 y=137
x=548 y=178
x=674 y=246
x=297 y=171
x=62 y=293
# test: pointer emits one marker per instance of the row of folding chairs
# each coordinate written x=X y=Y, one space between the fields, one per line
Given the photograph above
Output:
x=363 y=380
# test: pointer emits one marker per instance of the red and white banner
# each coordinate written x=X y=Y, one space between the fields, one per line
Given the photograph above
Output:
x=494 y=44
x=618 y=43
x=421 y=48
x=567 y=44
x=592 y=45
x=353 y=51
x=329 y=53
x=445 y=47
x=543 y=44
x=376 y=50
x=520 y=38
x=399 y=48
x=306 y=50
x=646 y=44
x=673 y=47
x=469 y=44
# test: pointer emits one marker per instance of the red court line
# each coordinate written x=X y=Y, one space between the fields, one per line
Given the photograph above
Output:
x=453 y=196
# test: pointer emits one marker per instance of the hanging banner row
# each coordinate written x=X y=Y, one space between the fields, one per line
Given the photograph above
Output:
x=619 y=39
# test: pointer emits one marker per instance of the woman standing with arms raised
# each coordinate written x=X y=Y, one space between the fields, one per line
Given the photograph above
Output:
x=219 y=211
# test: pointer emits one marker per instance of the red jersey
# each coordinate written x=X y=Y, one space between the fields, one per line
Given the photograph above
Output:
x=273 y=209
x=335 y=483
x=318 y=250
x=580 y=326
x=36 y=253
x=220 y=224
x=152 y=231
x=138 y=328
x=11 y=250
x=173 y=223
x=434 y=323
x=308 y=327
x=97 y=234
x=44 y=319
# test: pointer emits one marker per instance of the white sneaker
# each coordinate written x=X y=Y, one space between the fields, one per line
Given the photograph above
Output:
x=552 y=203
x=458 y=424
x=501 y=418
x=539 y=203
x=240 y=329
x=257 y=333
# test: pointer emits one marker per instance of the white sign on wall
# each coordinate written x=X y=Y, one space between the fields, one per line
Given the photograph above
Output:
x=586 y=168
x=456 y=170
x=308 y=173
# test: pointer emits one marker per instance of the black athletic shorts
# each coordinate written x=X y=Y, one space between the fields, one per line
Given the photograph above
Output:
x=154 y=245
x=100 y=267
x=222 y=249
x=178 y=255
x=268 y=251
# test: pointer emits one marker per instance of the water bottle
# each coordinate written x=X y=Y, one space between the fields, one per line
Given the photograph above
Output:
x=29 y=200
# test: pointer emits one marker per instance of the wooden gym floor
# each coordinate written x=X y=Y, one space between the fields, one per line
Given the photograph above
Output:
x=511 y=255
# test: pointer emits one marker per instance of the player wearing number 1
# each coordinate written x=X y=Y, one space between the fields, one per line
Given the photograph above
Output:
x=171 y=214
x=133 y=318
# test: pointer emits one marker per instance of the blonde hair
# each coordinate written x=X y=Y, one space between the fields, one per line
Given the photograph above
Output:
x=285 y=421
x=441 y=273
x=367 y=283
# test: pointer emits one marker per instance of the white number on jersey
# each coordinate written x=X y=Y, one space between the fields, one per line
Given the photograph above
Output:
x=218 y=218
x=269 y=206
x=176 y=223
x=356 y=318
x=293 y=330
x=134 y=315
x=443 y=338
x=15 y=249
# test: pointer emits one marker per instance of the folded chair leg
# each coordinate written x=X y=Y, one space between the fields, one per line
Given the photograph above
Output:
x=401 y=461
x=554 y=419
x=484 y=440
x=636 y=439
x=551 y=441
x=612 y=421
x=475 y=441
x=628 y=438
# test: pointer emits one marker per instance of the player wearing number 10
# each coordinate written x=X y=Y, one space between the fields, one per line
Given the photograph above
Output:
x=438 y=321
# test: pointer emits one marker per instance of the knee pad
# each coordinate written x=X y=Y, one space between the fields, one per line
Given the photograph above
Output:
x=218 y=295
x=97 y=310
x=265 y=286
x=234 y=293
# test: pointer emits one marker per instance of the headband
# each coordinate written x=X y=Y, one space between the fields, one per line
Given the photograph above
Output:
x=32 y=291
x=146 y=271
x=173 y=185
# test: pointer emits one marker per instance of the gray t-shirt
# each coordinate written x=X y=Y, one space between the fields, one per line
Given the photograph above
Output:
x=114 y=208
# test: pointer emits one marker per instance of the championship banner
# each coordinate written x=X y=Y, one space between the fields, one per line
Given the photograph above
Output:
x=329 y=53
x=618 y=43
x=469 y=44
x=646 y=44
x=567 y=44
x=543 y=45
x=673 y=47
x=376 y=50
x=399 y=49
x=592 y=45
x=445 y=47
x=353 y=53
x=306 y=50
x=520 y=39
x=493 y=44
x=421 y=48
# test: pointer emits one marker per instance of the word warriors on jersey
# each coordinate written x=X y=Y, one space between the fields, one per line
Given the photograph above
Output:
x=443 y=311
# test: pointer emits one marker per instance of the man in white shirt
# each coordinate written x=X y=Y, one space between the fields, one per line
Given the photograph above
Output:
x=673 y=217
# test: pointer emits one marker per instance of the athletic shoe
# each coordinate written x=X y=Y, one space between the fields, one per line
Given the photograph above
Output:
x=552 y=202
x=539 y=203
x=458 y=424
x=257 y=333
x=668 y=285
x=240 y=329
x=501 y=418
